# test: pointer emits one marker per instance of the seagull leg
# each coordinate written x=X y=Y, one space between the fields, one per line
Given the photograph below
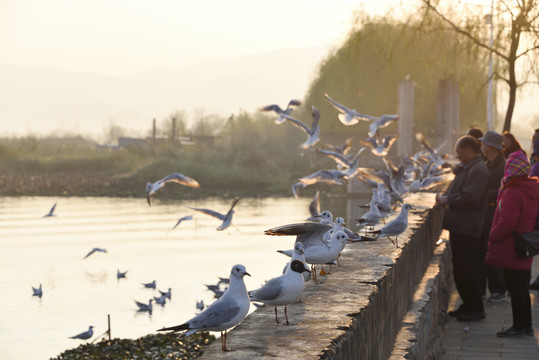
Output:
x=223 y=342
x=396 y=242
x=313 y=272
x=276 y=319
x=286 y=316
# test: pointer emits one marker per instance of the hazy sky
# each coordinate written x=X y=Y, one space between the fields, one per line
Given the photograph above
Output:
x=119 y=37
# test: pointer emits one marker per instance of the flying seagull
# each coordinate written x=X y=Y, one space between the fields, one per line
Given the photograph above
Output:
x=277 y=109
x=228 y=311
x=225 y=218
x=347 y=116
x=313 y=132
x=152 y=188
x=85 y=335
x=95 y=250
x=184 y=218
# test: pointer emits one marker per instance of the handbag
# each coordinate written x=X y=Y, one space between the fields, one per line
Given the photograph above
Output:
x=526 y=245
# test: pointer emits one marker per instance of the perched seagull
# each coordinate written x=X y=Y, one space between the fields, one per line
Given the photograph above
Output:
x=37 y=291
x=347 y=116
x=314 y=207
x=371 y=217
x=51 y=211
x=228 y=311
x=312 y=132
x=167 y=294
x=277 y=109
x=85 y=335
x=152 y=188
x=121 y=275
x=161 y=300
x=188 y=217
x=144 y=307
x=95 y=250
x=283 y=290
x=150 y=285
x=309 y=234
x=225 y=218
x=200 y=305
x=322 y=254
x=296 y=254
x=396 y=226
x=380 y=148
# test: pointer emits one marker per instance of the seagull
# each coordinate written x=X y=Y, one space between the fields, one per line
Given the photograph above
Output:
x=325 y=253
x=144 y=307
x=226 y=218
x=332 y=177
x=372 y=217
x=396 y=226
x=228 y=311
x=188 y=217
x=120 y=275
x=283 y=290
x=222 y=280
x=312 y=132
x=37 y=291
x=277 y=109
x=381 y=122
x=380 y=148
x=85 y=335
x=343 y=149
x=167 y=294
x=309 y=234
x=150 y=285
x=347 y=116
x=296 y=254
x=152 y=188
x=350 y=164
x=314 y=207
x=51 y=211
x=95 y=250
x=200 y=305
x=161 y=300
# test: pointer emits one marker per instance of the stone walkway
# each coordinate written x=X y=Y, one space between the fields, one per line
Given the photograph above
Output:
x=478 y=340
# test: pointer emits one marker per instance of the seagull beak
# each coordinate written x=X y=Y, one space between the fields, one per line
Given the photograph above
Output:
x=246 y=273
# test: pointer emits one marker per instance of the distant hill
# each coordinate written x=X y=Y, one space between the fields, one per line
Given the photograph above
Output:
x=41 y=100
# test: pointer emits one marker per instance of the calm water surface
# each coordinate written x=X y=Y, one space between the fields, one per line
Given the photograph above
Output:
x=78 y=293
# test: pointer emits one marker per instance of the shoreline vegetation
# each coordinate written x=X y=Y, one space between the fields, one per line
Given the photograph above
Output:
x=154 y=346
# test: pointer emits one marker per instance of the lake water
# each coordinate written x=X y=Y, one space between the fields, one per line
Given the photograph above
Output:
x=78 y=293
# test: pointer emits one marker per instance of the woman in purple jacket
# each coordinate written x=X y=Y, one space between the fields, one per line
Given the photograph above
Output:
x=515 y=211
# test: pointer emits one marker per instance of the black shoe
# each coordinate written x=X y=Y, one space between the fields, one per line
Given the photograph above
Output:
x=471 y=316
x=454 y=313
x=529 y=331
x=512 y=333
x=534 y=286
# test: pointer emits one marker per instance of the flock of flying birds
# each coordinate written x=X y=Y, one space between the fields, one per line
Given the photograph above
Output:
x=321 y=239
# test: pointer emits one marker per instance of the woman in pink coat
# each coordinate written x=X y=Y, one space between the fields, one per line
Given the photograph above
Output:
x=515 y=211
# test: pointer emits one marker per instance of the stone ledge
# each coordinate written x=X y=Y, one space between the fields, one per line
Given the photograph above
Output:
x=355 y=312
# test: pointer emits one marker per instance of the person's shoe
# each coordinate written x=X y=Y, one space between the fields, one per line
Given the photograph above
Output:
x=455 y=313
x=534 y=285
x=471 y=316
x=529 y=331
x=511 y=333
x=496 y=297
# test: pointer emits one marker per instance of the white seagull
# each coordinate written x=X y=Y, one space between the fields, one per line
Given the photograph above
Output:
x=283 y=290
x=94 y=250
x=314 y=207
x=277 y=109
x=85 y=335
x=37 y=291
x=51 y=211
x=380 y=147
x=144 y=307
x=347 y=116
x=225 y=218
x=396 y=226
x=371 y=217
x=380 y=122
x=152 y=188
x=296 y=254
x=312 y=132
x=184 y=218
x=227 y=312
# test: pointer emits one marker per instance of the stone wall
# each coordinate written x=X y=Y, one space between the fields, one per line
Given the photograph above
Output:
x=356 y=311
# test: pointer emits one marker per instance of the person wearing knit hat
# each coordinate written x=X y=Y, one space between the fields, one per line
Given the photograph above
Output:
x=535 y=173
x=491 y=276
x=516 y=210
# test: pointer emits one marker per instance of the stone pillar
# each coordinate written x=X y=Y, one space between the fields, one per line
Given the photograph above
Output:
x=406 y=119
x=448 y=114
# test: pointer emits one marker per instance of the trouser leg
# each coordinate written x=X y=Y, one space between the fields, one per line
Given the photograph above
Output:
x=517 y=285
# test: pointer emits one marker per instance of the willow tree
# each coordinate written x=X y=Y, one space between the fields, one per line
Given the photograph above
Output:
x=379 y=53
x=515 y=44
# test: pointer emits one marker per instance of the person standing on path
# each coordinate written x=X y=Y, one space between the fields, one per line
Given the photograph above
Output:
x=492 y=149
x=516 y=210
x=465 y=204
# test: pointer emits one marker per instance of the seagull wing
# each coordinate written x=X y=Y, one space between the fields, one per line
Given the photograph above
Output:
x=314 y=206
x=273 y=107
x=297 y=123
x=188 y=217
x=215 y=214
x=182 y=180
x=270 y=291
x=218 y=313
x=90 y=253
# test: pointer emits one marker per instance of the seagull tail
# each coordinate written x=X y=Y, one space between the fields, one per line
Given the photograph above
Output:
x=176 y=328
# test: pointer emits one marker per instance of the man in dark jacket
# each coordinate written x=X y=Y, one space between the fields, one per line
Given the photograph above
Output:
x=492 y=149
x=466 y=204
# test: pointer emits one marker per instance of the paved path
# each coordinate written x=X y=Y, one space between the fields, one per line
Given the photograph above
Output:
x=480 y=340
